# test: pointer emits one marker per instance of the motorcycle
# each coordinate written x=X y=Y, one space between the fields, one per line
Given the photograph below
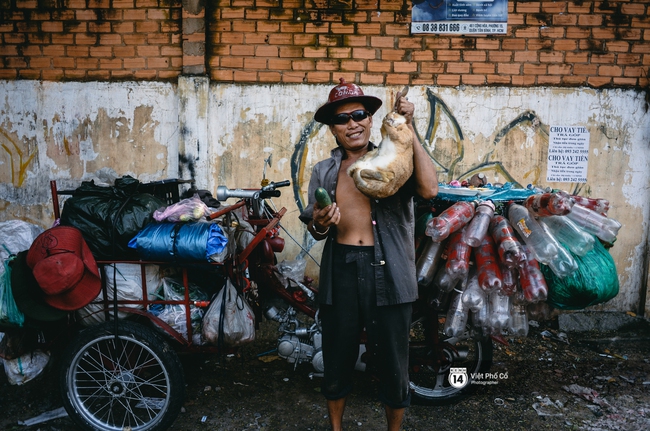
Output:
x=125 y=373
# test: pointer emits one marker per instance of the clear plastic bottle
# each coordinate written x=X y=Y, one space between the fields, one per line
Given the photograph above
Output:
x=563 y=264
x=457 y=315
x=535 y=237
x=450 y=220
x=473 y=296
x=590 y=221
x=459 y=253
x=532 y=282
x=511 y=252
x=444 y=281
x=477 y=228
x=428 y=262
x=601 y=206
x=518 y=320
x=509 y=279
x=498 y=311
x=547 y=204
x=569 y=234
x=480 y=318
x=489 y=273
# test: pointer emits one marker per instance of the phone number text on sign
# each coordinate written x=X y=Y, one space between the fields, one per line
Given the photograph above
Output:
x=568 y=154
x=458 y=27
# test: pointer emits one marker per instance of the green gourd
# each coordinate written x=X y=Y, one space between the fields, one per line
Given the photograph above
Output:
x=322 y=197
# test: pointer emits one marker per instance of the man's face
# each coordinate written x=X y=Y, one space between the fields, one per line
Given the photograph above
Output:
x=352 y=135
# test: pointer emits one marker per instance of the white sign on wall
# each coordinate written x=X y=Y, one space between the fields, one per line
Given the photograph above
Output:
x=568 y=154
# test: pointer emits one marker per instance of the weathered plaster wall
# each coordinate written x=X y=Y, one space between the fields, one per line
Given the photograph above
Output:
x=80 y=131
x=221 y=134
x=500 y=131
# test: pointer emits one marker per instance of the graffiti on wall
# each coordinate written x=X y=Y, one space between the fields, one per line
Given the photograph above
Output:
x=17 y=159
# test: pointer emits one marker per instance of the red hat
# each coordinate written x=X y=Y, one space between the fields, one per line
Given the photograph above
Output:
x=345 y=92
x=64 y=268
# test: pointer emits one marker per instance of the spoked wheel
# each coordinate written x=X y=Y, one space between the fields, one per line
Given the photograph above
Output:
x=133 y=381
x=431 y=363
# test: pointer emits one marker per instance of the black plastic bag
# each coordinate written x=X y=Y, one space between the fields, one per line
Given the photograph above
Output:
x=108 y=217
x=594 y=282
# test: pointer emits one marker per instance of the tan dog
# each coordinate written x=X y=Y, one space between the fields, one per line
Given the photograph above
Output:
x=381 y=172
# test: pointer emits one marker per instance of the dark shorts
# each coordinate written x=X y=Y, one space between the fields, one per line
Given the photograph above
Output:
x=387 y=328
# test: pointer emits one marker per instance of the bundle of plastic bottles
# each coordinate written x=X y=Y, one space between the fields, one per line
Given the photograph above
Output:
x=492 y=267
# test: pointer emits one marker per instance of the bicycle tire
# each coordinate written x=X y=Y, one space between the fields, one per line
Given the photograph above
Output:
x=429 y=374
x=133 y=381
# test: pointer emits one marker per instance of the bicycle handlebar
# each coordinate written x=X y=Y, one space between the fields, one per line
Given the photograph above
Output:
x=224 y=193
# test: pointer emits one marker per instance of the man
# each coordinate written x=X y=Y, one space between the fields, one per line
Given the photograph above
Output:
x=367 y=275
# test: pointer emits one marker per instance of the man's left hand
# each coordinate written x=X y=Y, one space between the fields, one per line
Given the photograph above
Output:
x=405 y=108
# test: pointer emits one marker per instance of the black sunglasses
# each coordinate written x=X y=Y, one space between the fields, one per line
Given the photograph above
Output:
x=343 y=118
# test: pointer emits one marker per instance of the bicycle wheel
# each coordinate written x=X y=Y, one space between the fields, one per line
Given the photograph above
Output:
x=132 y=381
x=431 y=364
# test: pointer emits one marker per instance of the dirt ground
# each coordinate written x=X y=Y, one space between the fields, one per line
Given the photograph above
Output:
x=546 y=381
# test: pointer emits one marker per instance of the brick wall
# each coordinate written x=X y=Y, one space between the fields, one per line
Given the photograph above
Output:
x=555 y=43
x=63 y=40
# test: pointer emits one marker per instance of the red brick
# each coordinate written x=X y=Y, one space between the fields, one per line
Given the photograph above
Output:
x=397 y=79
x=633 y=9
x=340 y=28
x=585 y=69
x=590 y=20
x=365 y=53
x=371 y=79
x=483 y=68
x=304 y=39
x=634 y=71
x=318 y=77
x=232 y=13
x=603 y=33
x=513 y=44
x=83 y=39
x=576 y=57
x=309 y=28
x=564 y=20
x=490 y=44
x=232 y=62
x=432 y=67
x=565 y=45
x=29 y=74
x=526 y=56
x=598 y=81
x=527 y=32
x=397 y=30
x=393 y=54
x=266 y=51
x=222 y=75
x=368 y=28
x=292 y=77
x=379 y=66
x=447 y=55
x=327 y=65
x=500 y=56
x=273 y=77
x=572 y=80
x=404 y=67
x=625 y=81
x=423 y=79
x=255 y=63
x=40 y=62
x=552 y=32
x=577 y=33
x=551 y=57
x=382 y=42
x=74 y=74
x=579 y=7
x=268 y=26
x=384 y=17
x=410 y=43
x=643 y=48
x=101 y=51
x=515 y=19
x=528 y=7
x=448 y=80
x=603 y=58
x=8 y=73
x=339 y=52
x=311 y=52
x=353 y=66
x=499 y=79
x=559 y=69
x=63 y=62
x=422 y=56
x=291 y=52
x=302 y=65
x=274 y=39
x=243 y=50
x=124 y=51
x=279 y=64
x=606 y=70
x=77 y=51
x=509 y=68
x=474 y=55
x=460 y=68
x=549 y=80
x=115 y=39
x=523 y=81
x=473 y=79
x=51 y=74
x=134 y=63
x=52 y=26
x=553 y=7
x=535 y=69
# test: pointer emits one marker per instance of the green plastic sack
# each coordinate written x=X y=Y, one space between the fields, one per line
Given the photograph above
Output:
x=593 y=283
x=9 y=312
